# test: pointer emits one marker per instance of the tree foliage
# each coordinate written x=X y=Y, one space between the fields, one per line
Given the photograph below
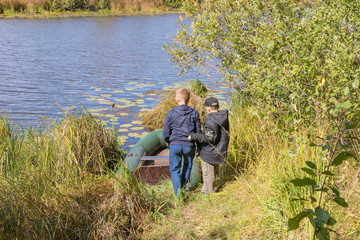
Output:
x=300 y=60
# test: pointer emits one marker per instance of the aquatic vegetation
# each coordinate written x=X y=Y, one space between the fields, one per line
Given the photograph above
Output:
x=126 y=125
x=118 y=91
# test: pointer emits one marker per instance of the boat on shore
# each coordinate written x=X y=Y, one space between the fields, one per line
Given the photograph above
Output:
x=148 y=160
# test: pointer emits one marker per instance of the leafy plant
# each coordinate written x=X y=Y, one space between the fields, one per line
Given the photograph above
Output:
x=321 y=183
x=298 y=60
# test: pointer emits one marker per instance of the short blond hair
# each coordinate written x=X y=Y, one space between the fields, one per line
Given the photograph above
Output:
x=183 y=95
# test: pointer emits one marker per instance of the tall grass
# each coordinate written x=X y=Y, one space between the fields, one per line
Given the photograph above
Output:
x=120 y=6
x=56 y=183
x=259 y=200
x=155 y=117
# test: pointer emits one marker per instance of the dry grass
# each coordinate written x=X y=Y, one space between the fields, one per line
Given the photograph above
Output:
x=91 y=145
x=257 y=205
x=155 y=118
x=119 y=6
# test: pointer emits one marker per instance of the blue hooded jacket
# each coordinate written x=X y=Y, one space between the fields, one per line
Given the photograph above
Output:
x=179 y=123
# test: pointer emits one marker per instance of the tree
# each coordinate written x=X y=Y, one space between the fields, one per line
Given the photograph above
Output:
x=299 y=60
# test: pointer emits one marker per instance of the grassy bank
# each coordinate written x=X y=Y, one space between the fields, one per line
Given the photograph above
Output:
x=59 y=184
x=77 y=8
x=255 y=200
x=56 y=183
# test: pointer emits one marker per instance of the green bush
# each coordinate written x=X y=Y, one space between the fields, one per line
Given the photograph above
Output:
x=297 y=59
x=174 y=3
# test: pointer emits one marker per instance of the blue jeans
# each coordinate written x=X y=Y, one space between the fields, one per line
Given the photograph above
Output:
x=180 y=161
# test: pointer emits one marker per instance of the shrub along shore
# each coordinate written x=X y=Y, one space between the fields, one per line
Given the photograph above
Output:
x=78 y=8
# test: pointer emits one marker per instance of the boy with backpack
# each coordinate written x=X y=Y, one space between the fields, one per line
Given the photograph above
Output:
x=213 y=142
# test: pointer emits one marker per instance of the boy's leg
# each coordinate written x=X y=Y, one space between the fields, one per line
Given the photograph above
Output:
x=208 y=177
x=175 y=155
x=189 y=154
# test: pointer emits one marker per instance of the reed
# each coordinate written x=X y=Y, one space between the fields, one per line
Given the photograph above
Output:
x=155 y=118
x=116 y=6
x=54 y=182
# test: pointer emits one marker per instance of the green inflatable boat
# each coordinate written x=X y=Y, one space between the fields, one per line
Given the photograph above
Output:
x=148 y=159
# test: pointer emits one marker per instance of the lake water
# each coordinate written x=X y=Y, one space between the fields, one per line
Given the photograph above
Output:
x=50 y=66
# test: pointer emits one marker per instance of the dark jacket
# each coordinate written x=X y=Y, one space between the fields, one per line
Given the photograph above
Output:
x=179 y=123
x=215 y=139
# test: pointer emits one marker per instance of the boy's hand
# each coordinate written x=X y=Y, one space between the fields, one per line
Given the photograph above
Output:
x=189 y=137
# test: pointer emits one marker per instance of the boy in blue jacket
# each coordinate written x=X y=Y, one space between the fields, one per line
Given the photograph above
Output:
x=180 y=122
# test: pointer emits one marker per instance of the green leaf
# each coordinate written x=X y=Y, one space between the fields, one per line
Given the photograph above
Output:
x=340 y=201
x=341 y=157
x=271 y=45
x=350 y=126
x=331 y=221
x=329 y=137
x=311 y=165
x=346 y=105
x=355 y=84
x=322 y=214
x=326 y=147
x=335 y=191
x=298 y=199
x=310 y=211
x=327 y=173
x=303 y=182
x=309 y=171
x=313 y=200
x=293 y=223
x=346 y=91
x=322 y=233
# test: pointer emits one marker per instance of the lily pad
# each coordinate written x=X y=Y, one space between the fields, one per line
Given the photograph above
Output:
x=126 y=125
x=123 y=114
x=105 y=95
x=123 y=130
x=150 y=98
x=137 y=122
x=134 y=135
x=133 y=82
x=96 y=110
x=118 y=91
x=129 y=89
x=140 y=101
x=137 y=128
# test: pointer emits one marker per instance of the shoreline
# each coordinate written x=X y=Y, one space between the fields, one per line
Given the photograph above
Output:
x=69 y=14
